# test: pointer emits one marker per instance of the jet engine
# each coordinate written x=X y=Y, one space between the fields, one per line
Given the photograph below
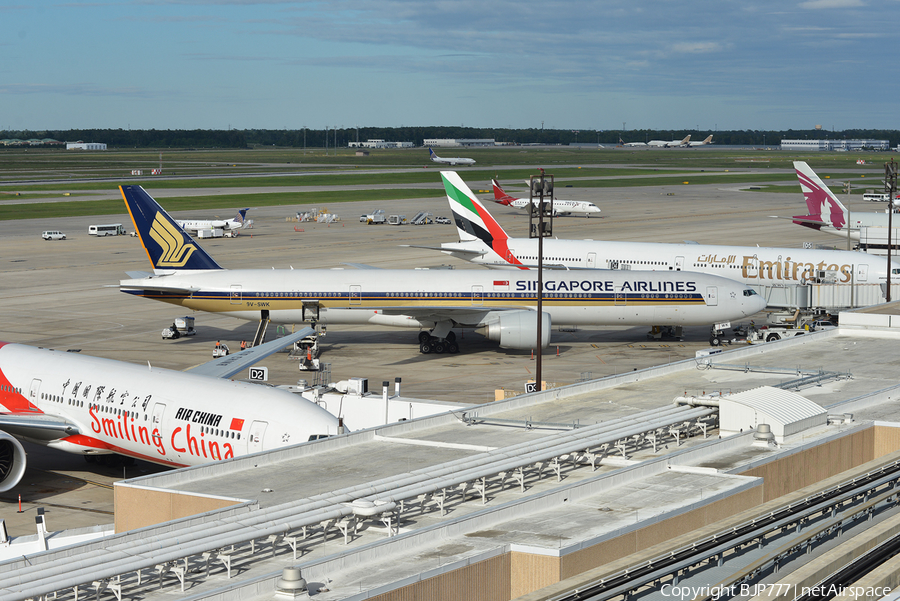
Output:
x=12 y=462
x=517 y=329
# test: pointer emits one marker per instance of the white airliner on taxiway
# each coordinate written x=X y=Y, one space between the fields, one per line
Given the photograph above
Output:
x=483 y=241
x=560 y=207
x=671 y=143
x=502 y=307
x=827 y=214
x=95 y=407
x=195 y=225
x=457 y=161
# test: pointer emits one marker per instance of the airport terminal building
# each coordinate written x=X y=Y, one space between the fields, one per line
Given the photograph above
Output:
x=841 y=145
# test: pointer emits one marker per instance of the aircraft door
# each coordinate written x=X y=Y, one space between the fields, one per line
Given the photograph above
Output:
x=257 y=432
x=862 y=273
x=712 y=296
x=477 y=295
x=235 y=296
x=158 y=410
x=679 y=263
x=34 y=392
x=355 y=294
x=591 y=260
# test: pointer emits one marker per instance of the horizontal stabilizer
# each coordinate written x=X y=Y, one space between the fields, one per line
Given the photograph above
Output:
x=448 y=248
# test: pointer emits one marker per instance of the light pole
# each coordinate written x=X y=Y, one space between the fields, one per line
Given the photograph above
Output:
x=890 y=186
x=541 y=187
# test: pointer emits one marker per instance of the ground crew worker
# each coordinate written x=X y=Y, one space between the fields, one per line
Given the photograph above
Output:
x=243 y=344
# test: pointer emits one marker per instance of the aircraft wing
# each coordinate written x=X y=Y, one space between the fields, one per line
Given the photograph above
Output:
x=465 y=251
x=227 y=366
x=37 y=426
x=361 y=266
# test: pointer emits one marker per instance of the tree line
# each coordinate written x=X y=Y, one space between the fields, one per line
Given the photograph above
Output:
x=340 y=137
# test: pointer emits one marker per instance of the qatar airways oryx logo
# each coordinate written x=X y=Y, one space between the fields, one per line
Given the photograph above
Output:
x=175 y=252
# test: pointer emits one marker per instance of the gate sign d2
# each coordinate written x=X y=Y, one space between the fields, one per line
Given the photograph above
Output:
x=259 y=374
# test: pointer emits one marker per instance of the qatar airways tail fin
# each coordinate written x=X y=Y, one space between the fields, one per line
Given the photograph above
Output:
x=168 y=247
x=824 y=207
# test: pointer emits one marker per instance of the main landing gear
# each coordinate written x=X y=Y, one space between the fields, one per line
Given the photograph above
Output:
x=432 y=344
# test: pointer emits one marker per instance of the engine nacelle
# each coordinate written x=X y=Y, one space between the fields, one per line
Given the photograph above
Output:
x=517 y=329
x=12 y=462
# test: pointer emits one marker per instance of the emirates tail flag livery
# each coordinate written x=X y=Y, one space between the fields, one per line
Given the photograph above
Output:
x=560 y=207
x=93 y=406
x=827 y=213
x=483 y=241
x=502 y=307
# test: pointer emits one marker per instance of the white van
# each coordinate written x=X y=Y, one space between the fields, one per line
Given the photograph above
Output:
x=113 y=229
x=53 y=235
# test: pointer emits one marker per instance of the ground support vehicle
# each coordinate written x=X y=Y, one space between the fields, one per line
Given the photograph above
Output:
x=182 y=326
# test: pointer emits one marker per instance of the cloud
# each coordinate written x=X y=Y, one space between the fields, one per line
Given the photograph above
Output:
x=817 y=4
x=697 y=47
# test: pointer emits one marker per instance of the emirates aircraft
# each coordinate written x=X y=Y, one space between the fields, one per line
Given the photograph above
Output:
x=482 y=240
x=98 y=407
x=503 y=308
x=560 y=207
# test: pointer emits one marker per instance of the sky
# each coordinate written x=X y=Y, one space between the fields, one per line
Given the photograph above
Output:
x=601 y=64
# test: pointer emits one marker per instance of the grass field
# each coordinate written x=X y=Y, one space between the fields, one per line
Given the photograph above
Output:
x=58 y=176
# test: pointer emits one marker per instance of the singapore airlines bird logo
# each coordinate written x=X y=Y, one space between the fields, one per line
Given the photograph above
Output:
x=175 y=253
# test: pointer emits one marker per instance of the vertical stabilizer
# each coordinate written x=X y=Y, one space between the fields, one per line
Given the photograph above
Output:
x=500 y=195
x=473 y=221
x=168 y=247
x=822 y=204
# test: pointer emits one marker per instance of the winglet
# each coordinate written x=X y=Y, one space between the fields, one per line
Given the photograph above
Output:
x=168 y=246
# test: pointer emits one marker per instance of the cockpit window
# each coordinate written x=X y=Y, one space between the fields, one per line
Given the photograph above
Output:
x=749 y=292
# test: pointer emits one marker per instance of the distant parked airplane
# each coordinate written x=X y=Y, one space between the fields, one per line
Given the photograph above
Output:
x=560 y=207
x=671 y=144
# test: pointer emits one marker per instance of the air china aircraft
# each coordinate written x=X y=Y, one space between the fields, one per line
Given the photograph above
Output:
x=457 y=161
x=671 y=144
x=827 y=214
x=560 y=207
x=226 y=224
x=92 y=406
x=500 y=307
x=483 y=241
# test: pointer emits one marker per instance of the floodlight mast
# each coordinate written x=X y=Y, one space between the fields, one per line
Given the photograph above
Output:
x=890 y=187
x=541 y=190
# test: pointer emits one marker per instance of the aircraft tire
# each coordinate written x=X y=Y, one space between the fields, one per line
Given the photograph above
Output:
x=452 y=348
x=439 y=347
x=424 y=337
x=451 y=336
x=425 y=348
x=714 y=341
